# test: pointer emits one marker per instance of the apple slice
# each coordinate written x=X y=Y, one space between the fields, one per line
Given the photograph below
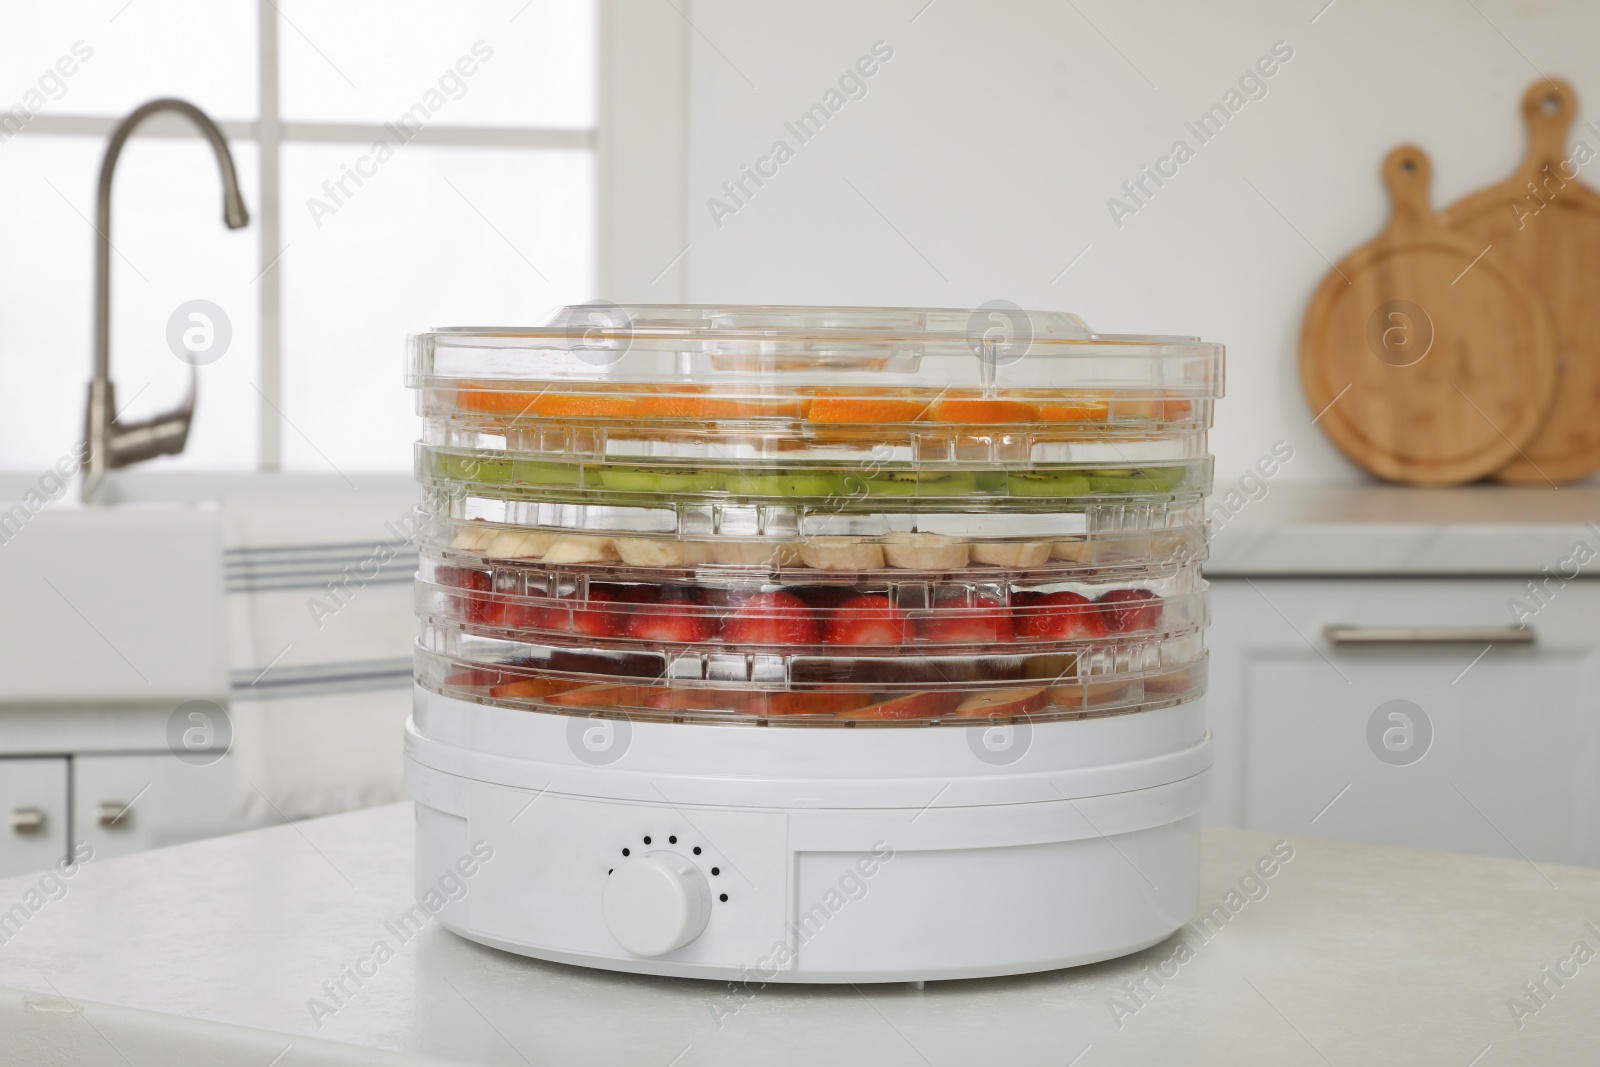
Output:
x=1003 y=703
x=816 y=703
x=597 y=696
x=533 y=688
x=908 y=706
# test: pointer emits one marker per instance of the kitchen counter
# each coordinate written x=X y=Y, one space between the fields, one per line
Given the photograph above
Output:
x=218 y=952
x=1308 y=530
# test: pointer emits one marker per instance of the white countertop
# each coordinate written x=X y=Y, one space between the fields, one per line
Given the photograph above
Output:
x=1402 y=530
x=208 y=953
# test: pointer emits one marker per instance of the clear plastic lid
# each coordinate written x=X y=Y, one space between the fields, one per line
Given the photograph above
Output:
x=869 y=366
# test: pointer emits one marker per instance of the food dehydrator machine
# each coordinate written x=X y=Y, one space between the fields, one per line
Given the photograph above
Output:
x=811 y=644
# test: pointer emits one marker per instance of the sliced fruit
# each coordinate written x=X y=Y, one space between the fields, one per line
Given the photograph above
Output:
x=772 y=619
x=1073 y=551
x=474 y=677
x=625 y=479
x=754 y=554
x=486 y=470
x=955 y=622
x=1003 y=703
x=652 y=551
x=520 y=544
x=909 y=706
x=1092 y=694
x=473 y=538
x=687 y=406
x=841 y=554
x=1047 y=483
x=532 y=472
x=597 y=696
x=599 y=615
x=1059 y=616
x=824 y=703
x=477 y=396
x=677 y=622
x=1074 y=411
x=1011 y=553
x=1141 y=480
x=866 y=620
x=865 y=409
x=917 y=483
x=552 y=405
x=1175 y=409
x=977 y=411
x=826 y=597
x=1170 y=683
x=786 y=483
x=1128 y=610
x=469 y=608
x=679 y=699
x=581 y=548
x=925 y=552
x=534 y=688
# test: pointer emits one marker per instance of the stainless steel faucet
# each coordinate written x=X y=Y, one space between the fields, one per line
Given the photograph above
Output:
x=112 y=443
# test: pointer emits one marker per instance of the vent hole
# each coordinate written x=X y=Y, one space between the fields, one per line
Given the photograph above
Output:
x=723 y=898
x=624 y=852
x=716 y=871
x=697 y=850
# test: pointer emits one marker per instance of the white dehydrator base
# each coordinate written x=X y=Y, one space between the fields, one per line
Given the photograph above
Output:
x=845 y=854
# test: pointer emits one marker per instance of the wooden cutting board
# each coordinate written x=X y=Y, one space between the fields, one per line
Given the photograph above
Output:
x=1545 y=223
x=1423 y=360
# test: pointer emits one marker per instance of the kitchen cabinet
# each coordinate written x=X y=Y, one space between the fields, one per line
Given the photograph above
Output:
x=1308 y=740
x=127 y=803
x=33 y=803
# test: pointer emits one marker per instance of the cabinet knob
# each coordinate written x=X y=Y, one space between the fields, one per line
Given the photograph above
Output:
x=111 y=814
x=27 y=820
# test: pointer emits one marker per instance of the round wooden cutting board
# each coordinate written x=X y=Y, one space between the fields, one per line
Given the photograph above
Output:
x=1425 y=361
x=1544 y=223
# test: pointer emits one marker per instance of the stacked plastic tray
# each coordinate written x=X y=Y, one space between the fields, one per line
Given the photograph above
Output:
x=797 y=516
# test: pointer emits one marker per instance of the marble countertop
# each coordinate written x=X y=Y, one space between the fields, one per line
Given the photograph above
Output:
x=1401 y=530
x=214 y=952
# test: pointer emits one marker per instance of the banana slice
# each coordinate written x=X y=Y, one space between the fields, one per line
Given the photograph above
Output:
x=926 y=552
x=1073 y=551
x=651 y=551
x=753 y=554
x=474 y=538
x=696 y=552
x=578 y=548
x=519 y=544
x=1011 y=554
x=841 y=554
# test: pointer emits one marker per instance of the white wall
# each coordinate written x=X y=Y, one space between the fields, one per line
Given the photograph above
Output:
x=993 y=138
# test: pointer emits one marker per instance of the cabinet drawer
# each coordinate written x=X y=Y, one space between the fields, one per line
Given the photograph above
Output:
x=129 y=803
x=33 y=805
x=1439 y=726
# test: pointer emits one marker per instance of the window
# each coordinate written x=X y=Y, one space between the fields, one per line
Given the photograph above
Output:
x=406 y=165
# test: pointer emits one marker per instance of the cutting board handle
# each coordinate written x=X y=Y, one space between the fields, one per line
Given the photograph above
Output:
x=1407 y=172
x=1549 y=108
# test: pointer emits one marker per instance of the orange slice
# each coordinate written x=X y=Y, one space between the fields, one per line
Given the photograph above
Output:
x=472 y=396
x=578 y=405
x=978 y=411
x=1075 y=411
x=865 y=409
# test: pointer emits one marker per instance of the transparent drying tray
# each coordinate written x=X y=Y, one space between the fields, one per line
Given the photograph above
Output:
x=974 y=690
x=1103 y=555
x=833 y=485
x=799 y=368
x=827 y=614
x=921 y=444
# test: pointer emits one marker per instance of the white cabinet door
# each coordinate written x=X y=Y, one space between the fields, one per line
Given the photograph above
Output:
x=33 y=805
x=1333 y=740
x=129 y=803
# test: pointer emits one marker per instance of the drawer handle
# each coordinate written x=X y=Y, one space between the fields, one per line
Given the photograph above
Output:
x=110 y=813
x=27 y=820
x=1429 y=635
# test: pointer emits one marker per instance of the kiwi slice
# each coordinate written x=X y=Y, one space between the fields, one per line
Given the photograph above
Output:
x=484 y=469
x=922 y=483
x=528 y=472
x=1047 y=483
x=1141 y=480
x=659 y=479
x=787 y=483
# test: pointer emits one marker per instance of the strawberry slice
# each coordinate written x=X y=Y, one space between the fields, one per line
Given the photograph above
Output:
x=1060 y=616
x=909 y=706
x=772 y=619
x=605 y=619
x=677 y=621
x=954 y=622
x=469 y=608
x=1127 y=610
x=866 y=620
